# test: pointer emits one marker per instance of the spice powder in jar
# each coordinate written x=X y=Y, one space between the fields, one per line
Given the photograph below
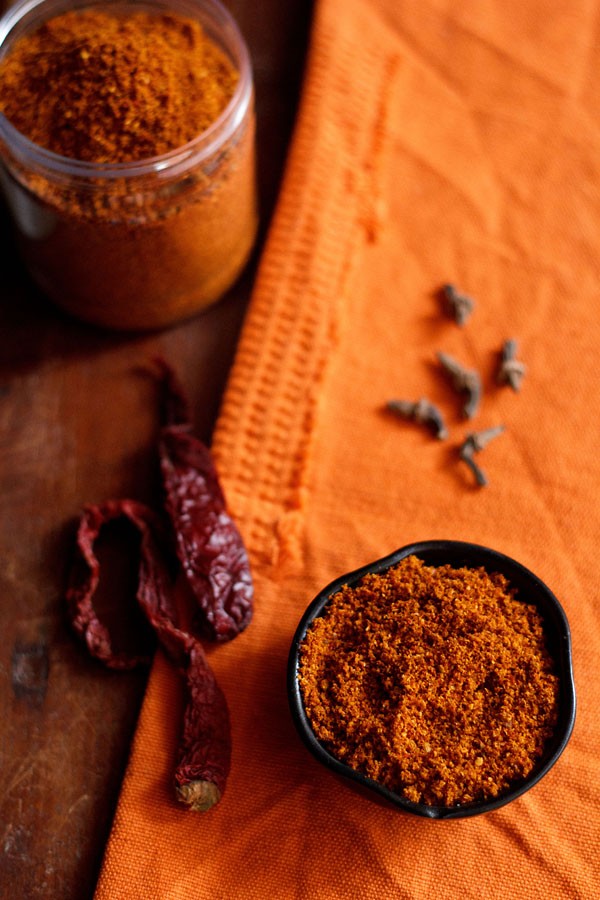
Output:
x=433 y=681
x=127 y=149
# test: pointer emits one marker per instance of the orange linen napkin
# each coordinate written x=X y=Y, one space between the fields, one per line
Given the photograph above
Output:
x=447 y=140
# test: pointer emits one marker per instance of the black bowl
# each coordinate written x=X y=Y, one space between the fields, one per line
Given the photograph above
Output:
x=456 y=554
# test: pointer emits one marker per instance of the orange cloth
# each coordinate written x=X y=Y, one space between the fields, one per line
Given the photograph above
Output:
x=449 y=140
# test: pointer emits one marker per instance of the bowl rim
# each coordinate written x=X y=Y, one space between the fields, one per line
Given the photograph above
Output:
x=492 y=561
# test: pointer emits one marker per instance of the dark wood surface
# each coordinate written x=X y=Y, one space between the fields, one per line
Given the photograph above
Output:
x=78 y=423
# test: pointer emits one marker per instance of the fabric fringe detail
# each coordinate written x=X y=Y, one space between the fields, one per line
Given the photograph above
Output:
x=325 y=216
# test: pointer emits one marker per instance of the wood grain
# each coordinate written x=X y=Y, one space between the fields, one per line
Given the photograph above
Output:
x=78 y=419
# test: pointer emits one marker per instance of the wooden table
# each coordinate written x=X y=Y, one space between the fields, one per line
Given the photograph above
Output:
x=78 y=425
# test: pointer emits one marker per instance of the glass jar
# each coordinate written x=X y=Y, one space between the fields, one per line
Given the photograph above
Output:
x=137 y=245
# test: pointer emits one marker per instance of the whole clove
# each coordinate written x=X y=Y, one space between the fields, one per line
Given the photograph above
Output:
x=474 y=443
x=459 y=306
x=510 y=371
x=422 y=411
x=466 y=381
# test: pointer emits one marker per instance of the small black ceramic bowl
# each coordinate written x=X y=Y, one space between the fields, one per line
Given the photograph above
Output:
x=529 y=587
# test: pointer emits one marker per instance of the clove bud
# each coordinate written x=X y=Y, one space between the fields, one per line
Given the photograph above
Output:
x=421 y=411
x=474 y=443
x=460 y=306
x=466 y=381
x=510 y=371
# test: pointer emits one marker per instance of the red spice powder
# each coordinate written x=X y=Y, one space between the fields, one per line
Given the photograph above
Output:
x=105 y=87
x=119 y=86
x=435 y=682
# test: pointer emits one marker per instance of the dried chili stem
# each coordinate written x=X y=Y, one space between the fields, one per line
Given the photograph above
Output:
x=467 y=381
x=460 y=306
x=510 y=371
x=474 y=443
x=422 y=411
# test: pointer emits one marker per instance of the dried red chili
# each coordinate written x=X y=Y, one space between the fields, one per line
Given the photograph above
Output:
x=84 y=577
x=205 y=748
x=215 y=564
x=208 y=542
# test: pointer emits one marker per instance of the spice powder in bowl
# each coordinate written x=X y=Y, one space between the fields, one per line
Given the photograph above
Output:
x=435 y=683
x=127 y=154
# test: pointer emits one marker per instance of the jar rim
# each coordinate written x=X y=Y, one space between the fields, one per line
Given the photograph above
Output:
x=175 y=161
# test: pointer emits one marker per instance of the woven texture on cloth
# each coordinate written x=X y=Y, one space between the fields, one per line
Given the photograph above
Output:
x=443 y=141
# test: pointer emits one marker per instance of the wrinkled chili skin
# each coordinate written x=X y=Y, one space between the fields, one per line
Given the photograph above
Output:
x=209 y=545
x=205 y=746
x=215 y=564
x=204 y=753
x=208 y=761
x=84 y=576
